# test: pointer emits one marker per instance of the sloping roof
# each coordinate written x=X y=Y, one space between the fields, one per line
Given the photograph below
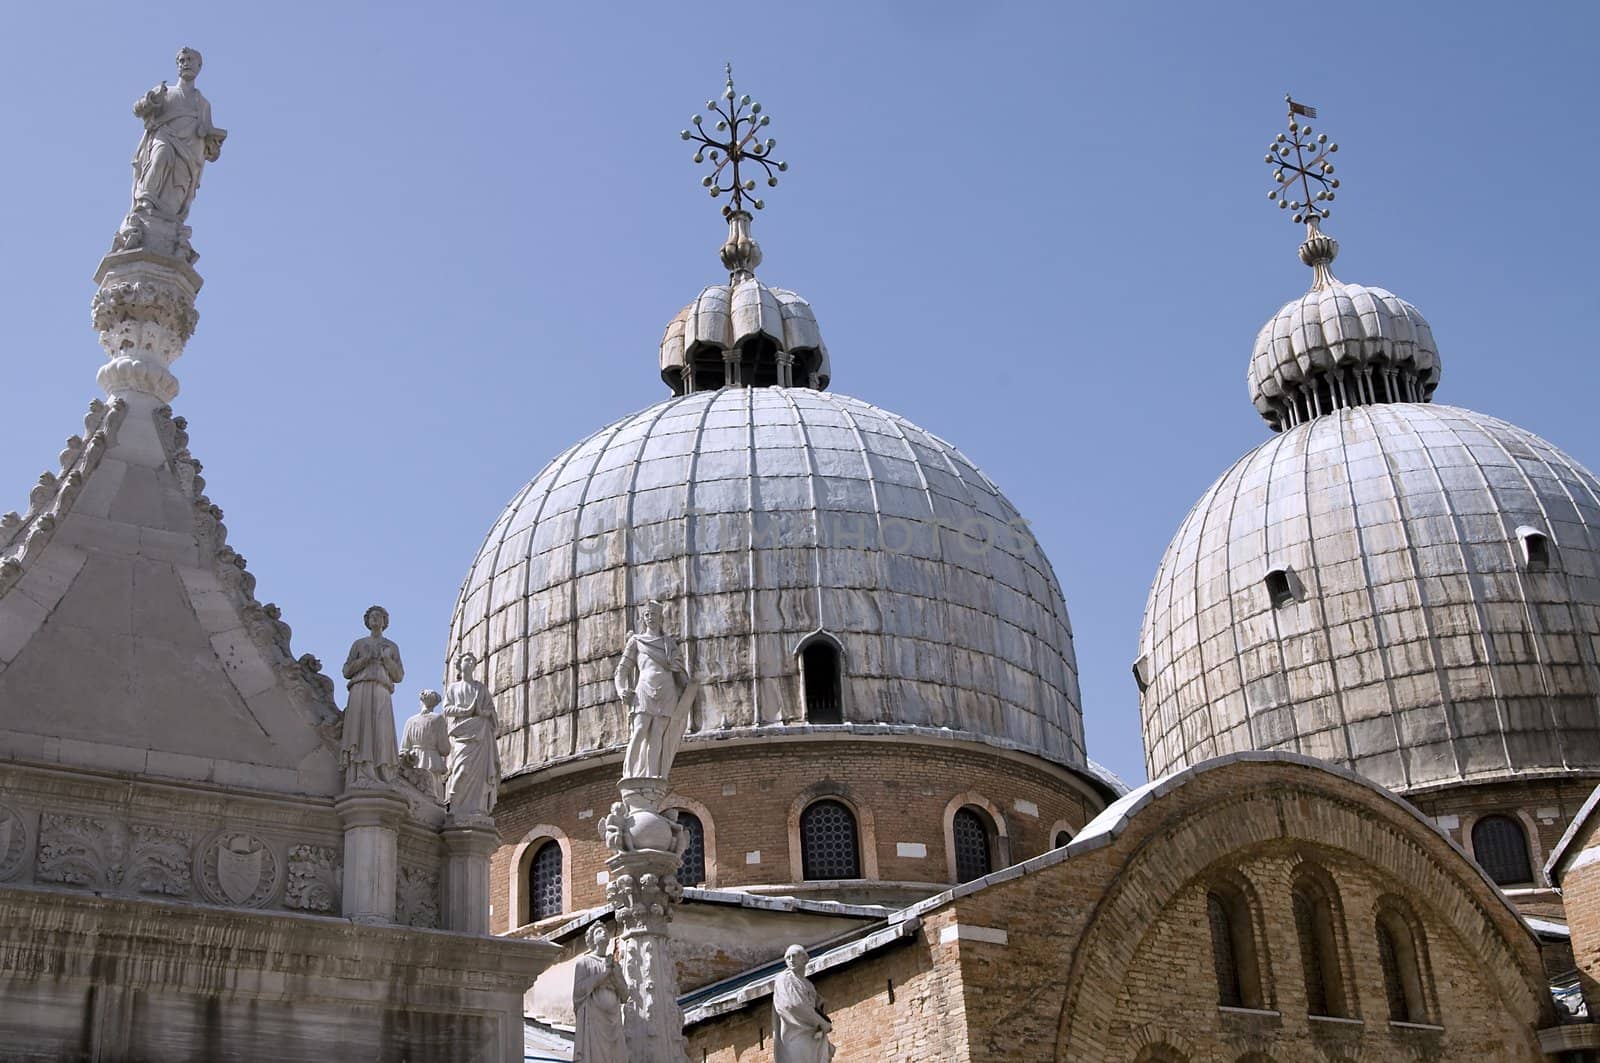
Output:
x=1561 y=855
x=130 y=636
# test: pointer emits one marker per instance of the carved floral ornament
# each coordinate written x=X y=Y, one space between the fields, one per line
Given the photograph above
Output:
x=14 y=843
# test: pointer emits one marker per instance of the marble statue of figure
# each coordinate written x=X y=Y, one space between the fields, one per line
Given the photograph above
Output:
x=472 y=779
x=178 y=141
x=799 y=1029
x=425 y=744
x=598 y=990
x=655 y=683
x=367 y=749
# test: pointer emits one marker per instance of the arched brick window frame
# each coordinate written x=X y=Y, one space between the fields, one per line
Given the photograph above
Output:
x=520 y=866
x=1326 y=967
x=1532 y=855
x=708 y=828
x=1237 y=935
x=866 y=833
x=1407 y=971
x=1057 y=829
x=999 y=840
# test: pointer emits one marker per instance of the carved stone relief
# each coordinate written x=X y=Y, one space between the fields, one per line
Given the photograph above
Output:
x=417 y=898
x=313 y=884
x=237 y=869
x=13 y=842
x=105 y=855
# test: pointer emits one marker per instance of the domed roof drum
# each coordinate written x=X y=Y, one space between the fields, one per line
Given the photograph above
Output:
x=764 y=518
x=727 y=317
x=1410 y=590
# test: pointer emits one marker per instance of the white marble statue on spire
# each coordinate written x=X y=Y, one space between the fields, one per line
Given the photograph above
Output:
x=178 y=141
x=654 y=682
x=367 y=748
x=473 y=774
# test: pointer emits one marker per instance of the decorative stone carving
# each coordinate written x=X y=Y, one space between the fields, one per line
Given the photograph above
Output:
x=105 y=855
x=417 y=898
x=799 y=1028
x=425 y=747
x=237 y=869
x=313 y=883
x=367 y=749
x=643 y=888
x=13 y=842
x=473 y=771
x=598 y=990
x=178 y=141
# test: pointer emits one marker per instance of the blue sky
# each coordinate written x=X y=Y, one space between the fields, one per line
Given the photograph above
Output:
x=442 y=242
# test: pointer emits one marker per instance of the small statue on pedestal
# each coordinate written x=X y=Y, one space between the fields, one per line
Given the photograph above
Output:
x=799 y=1029
x=654 y=682
x=178 y=141
x=367 y=748
x=598 y=990
x=425 y=746
x=473 y=771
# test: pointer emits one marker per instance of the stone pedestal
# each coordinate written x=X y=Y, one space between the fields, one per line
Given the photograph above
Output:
x=371 y=820
x=144 y=312
x=643 y=888
x=468 y=847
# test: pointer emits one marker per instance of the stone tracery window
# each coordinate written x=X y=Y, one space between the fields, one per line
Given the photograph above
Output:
x=971 y=832
x=544 y=882
x=829 y=841
x=1501 y=847
x=692 y=871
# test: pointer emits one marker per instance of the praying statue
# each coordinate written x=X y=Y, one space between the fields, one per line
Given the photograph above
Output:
x=472 y=779
x=178 y=141
x=367 y=749
x=799 y=1029
x=654 y=682
x=425 y=745
x=598 y=990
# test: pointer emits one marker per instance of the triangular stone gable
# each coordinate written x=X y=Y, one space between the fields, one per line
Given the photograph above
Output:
x=130 y=636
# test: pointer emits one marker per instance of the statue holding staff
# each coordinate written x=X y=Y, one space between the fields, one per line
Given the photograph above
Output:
x=654 y=682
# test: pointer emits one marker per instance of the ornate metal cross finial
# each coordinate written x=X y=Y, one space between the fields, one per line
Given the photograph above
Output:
x=1298 y=159
x=739 y=120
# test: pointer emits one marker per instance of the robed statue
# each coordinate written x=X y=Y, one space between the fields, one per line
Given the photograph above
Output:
x=425 y=745
x=799 y=1029
x=367 y=747
x=178 y=141
x=654 y=682
x=598 y=990
x=472 y=773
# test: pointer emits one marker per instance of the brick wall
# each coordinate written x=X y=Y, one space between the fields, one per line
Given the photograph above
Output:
x=747 y=797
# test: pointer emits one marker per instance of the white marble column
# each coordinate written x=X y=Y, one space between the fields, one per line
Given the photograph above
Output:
x=468 y=848
x=371 y=820
x=644 y=888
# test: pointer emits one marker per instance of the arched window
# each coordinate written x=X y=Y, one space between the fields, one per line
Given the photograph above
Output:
x=1233 y=949
x=1319 y=949
x=820 y=676
x=1501 y=847
x=1400 y=955
x=692 y=872
x=1063 y=837
x=828 y=841
x=544 y=882
x=970 y=831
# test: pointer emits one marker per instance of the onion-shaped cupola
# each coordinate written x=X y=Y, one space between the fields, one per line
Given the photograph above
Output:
x=1339 y=345
x=743 y=333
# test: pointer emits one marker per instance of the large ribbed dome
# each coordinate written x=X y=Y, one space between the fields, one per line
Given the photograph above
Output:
x=1410 y=590
x=765 y=517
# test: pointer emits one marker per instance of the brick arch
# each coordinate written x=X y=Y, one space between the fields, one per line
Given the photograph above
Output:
x=1001 y=857
x=522 y=856
x=866 y=830
x=1196 y=834
x=707 y=825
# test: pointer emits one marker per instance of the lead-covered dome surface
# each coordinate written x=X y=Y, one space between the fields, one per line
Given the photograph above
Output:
x=764 y=516
x=1437 y=579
